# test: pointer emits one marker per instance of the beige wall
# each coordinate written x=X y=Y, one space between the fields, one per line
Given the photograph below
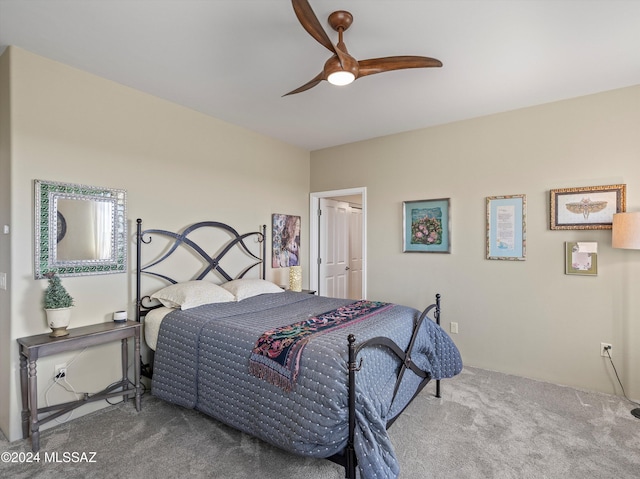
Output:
x=526 y=318
x=5 y=240
x=178 y=167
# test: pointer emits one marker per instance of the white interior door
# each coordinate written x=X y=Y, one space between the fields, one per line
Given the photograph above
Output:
x=355 y=253
x=353 y=196
x=334 y=249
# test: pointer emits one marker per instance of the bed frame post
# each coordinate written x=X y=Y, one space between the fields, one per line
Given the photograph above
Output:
x=264 y=251
x=138 y=266
x=436 y=316
x=350 y=466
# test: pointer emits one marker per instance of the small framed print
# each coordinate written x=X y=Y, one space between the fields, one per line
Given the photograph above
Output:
x=586 y=208
x=507 y=227
x=426 y=226
x=581 y=257
x=285 y=250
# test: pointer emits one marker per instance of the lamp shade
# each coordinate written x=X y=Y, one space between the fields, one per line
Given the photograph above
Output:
x=626 y=230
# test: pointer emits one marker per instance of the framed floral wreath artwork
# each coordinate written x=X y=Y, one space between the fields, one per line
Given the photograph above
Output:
x=426 y=226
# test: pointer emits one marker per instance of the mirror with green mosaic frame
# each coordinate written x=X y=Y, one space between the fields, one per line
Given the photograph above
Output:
x=79 y=229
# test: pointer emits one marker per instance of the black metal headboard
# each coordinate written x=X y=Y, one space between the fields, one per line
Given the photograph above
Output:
x=211 y=263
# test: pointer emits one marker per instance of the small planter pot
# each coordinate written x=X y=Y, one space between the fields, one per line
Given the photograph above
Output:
x=58 y=320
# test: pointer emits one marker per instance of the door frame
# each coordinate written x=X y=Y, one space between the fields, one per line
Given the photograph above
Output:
x=314 y=233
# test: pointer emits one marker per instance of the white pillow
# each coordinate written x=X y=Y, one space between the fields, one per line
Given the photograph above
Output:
x=190 y=294
x=246 y=288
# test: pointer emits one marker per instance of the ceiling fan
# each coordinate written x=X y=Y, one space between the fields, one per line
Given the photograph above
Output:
x=342 y=68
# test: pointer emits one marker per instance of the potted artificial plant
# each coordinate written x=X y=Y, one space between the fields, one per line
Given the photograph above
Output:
x=57 y=305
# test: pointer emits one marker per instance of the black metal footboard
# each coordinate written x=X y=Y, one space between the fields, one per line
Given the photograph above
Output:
x=348 y=457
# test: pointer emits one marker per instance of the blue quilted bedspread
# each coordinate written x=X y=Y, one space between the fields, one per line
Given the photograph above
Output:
x=202 y=362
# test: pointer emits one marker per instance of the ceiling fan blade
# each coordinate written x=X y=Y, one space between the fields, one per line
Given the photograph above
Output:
x=310 y=84
x=386 y=64
x=311 y=24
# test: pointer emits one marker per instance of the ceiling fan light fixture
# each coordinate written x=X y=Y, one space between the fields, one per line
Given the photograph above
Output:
x=338 y=73
x=341 y=78
x=342 y=68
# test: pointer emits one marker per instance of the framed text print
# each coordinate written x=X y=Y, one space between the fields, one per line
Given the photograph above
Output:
x=507 y=227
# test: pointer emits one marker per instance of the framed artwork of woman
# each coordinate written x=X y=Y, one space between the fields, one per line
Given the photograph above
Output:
x=286 y=241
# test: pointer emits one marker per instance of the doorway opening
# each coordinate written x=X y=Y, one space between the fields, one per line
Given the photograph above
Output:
x=338 y=243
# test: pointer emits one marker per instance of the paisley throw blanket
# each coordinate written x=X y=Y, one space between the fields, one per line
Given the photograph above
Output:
x=276 y=355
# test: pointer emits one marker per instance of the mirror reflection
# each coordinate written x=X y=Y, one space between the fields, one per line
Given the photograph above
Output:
x=87 y=229
x=79 y=230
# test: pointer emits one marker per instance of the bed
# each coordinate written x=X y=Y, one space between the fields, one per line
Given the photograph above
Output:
x=316 y=376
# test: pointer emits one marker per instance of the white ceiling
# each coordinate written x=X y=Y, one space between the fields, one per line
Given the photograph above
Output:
x=234 y=59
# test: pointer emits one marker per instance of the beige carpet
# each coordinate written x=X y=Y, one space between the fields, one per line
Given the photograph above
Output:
x=487 y=425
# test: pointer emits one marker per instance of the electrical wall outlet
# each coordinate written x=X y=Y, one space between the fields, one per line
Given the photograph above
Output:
x=606 y=350
x=453 y=327
x=60 y=371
